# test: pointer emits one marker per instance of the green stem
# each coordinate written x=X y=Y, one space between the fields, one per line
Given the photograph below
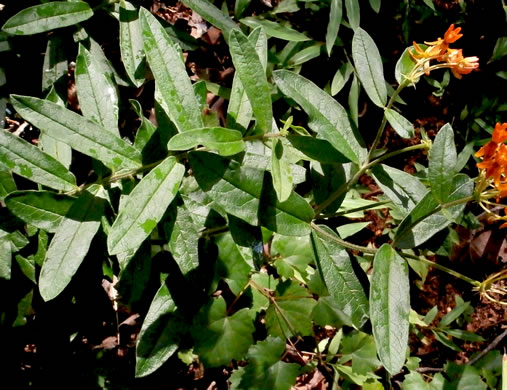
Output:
x=395 y=153
x=262 y=136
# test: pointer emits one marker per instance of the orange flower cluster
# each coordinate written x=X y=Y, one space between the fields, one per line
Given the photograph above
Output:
x=440 y=51
x=494 y=158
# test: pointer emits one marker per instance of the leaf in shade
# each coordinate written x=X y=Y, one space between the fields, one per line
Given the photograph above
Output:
x=336 y=269
x=375 y=5
x=97 y=94
x=252 y=74
x=48 y=16
x=166 y=64
x=160 y=334
x=353 y=100
x=71 y=242
x=55 y=65
x=220 y=338
x=326 y=116
x=212 y=14
x=335 y=19
x=317 y=149
x=226 y=141
x=80 y=133
x=275 y=30
x=390 y=307
x=369 y=67
x=442 y=164
x=7 y=184
x=131 y=43
x=280 y=171
x=28 y=161
x=145 y=130
x=145 y=206
x=5 y=258
x=399 y=123
x=27 y=266
x=43 y=209
x=340 y=78
x=326 y=179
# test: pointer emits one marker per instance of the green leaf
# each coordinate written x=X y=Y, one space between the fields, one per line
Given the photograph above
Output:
x=165 y=60
x=404 y=67
x=442 y=164
x=253 y=78
x=390 y=307
x=402 y=188
x=145 y=206
x=212 y=14
x=369 y=67
x=340 y=78
x=375 y=5
x=239 y=110
x=350 y=229
x=226 y=141
x=353 y=13
x=353 y=100
x=131 y=43
x=415 y=381
x=80 y=133
x=43 y=209
x=335 y=19
x=399 y=123
x=336 y=270
x=5 y=258
x=55 y=65
x=27 y=266
x=145 y=130
x=359 y=348
x=317 y=149
x=328 y=312
x=30 y=162
x=326 y=179
x=222 y=338
x=7 y=184
x=307 y=54
x=289 y=314
x=464 y=335
x=326 y=116
x=275 y=30
x=46 y=17
x=71 y=242
x=280 y=171
x=239 y=189
x=97 y=94
x=160 y=334
x=422 y=223
x=500 y=49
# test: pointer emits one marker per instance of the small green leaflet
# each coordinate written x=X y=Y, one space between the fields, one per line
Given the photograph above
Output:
x=226 y=141
x=335 y=19
x=80 y=133
x=48 y=16
x=28 y=161
x=145 y=206
x=71 y=242
x=390 y=307
x=280 y=171
x=399 y=123
x=131 y=43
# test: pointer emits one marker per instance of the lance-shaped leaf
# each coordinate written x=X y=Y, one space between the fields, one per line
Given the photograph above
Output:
x=212 y=14
x=275 y=30
x=55 y=65
x=48 y=16
x=369 y=67
x=145 y=206
x=253 y=77
x=97 y=94
x=336 y=270
x=317 y=149
x=131 y=43
x=219 y=338
x=239 y=190
x=145 y=130
x=399 y=123
x=390 y=307
x=353 y=13
x=423 y=223
x=442 y=164
x=43 y=209
x=29 y=161
x=335 y=19
x=280 y=171
x=71 y=242
x=326 y=116
x=160 y=334
x=81 y=134
x=226 y=141
x=7 y=184
x=166 y=63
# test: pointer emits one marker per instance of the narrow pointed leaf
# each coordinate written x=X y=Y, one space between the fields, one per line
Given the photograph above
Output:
x=390 y=307
x=226 y=141
x=212 y=14
x=375 y=5
x=43 y=209
x=80 y=133
x=160 y=334
x=71 y=243
x=280 y=171
x=48 y=16
x=369 y=67
x=353 y=100
x=55 y=65
x=97 y=94
x=7 y=184
x=340 y=78
x=145 y=206
x=353 y=13
x=442 y=164
x=317 y=149
x=399 y=123
x=30 y=162
x=335 y=19
x=131 y=43
x=253 y=77
x=145 y=130
x=165 y=60
x=336 y=269
x=275 y=30
x=326 y=116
